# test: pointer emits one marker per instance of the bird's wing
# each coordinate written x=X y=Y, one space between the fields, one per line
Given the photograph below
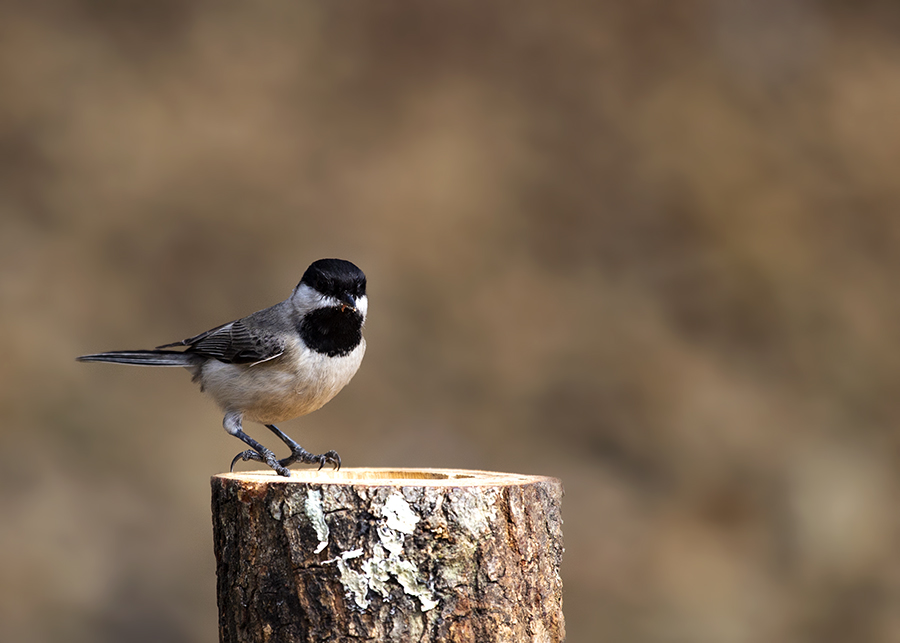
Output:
x=236 y=342
x=190 y=341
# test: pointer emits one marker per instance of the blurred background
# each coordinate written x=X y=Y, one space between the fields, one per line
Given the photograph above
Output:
x=647 y=247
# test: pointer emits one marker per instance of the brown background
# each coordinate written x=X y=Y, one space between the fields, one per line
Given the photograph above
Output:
x=649 y=247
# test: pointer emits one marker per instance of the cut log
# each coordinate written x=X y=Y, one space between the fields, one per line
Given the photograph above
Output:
x=388 y=555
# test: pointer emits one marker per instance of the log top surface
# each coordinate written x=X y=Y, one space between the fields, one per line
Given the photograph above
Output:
x=388 y=476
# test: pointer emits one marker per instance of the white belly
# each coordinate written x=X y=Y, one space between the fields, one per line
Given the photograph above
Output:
x=297 y=383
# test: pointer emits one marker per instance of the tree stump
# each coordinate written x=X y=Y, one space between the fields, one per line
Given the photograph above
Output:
x=388 y=555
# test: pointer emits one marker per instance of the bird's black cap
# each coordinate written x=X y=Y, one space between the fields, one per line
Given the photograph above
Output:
x=335 y=277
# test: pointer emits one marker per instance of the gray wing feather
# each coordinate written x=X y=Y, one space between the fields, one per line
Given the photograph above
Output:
x=237 y=342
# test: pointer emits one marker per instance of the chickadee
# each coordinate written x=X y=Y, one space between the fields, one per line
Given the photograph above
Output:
x=278 y=363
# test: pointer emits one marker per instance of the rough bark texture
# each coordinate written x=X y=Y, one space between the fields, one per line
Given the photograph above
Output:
x=388 y=555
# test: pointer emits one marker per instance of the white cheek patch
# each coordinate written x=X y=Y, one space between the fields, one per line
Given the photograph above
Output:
x=308 y=298
x=362 y=305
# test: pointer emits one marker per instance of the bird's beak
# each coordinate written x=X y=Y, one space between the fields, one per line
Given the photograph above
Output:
x=348 y=303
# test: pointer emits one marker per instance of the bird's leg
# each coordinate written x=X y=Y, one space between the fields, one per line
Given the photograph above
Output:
x=232 y=424
x=299 y=454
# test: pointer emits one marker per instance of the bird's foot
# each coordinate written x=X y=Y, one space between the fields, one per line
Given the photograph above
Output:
x=299 y=454
x=280 y=468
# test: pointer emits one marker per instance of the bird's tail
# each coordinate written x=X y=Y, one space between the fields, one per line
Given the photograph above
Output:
x=142 y=358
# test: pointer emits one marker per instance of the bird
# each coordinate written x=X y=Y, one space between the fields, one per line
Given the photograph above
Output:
x=278 y=363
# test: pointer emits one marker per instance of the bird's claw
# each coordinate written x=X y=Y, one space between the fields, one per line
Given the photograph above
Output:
x=299 y=454
x=331 y=457
x=250 y=454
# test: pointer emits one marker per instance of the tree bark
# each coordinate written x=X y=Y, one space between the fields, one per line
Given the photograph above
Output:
x=388 y=555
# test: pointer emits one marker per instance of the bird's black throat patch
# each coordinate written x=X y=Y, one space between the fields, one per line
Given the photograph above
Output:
x=331 y=331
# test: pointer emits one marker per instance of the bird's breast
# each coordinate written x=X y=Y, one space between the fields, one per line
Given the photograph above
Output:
x=296 y=383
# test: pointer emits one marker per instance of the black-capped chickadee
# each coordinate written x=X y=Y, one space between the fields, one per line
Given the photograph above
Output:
x=278 y=363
